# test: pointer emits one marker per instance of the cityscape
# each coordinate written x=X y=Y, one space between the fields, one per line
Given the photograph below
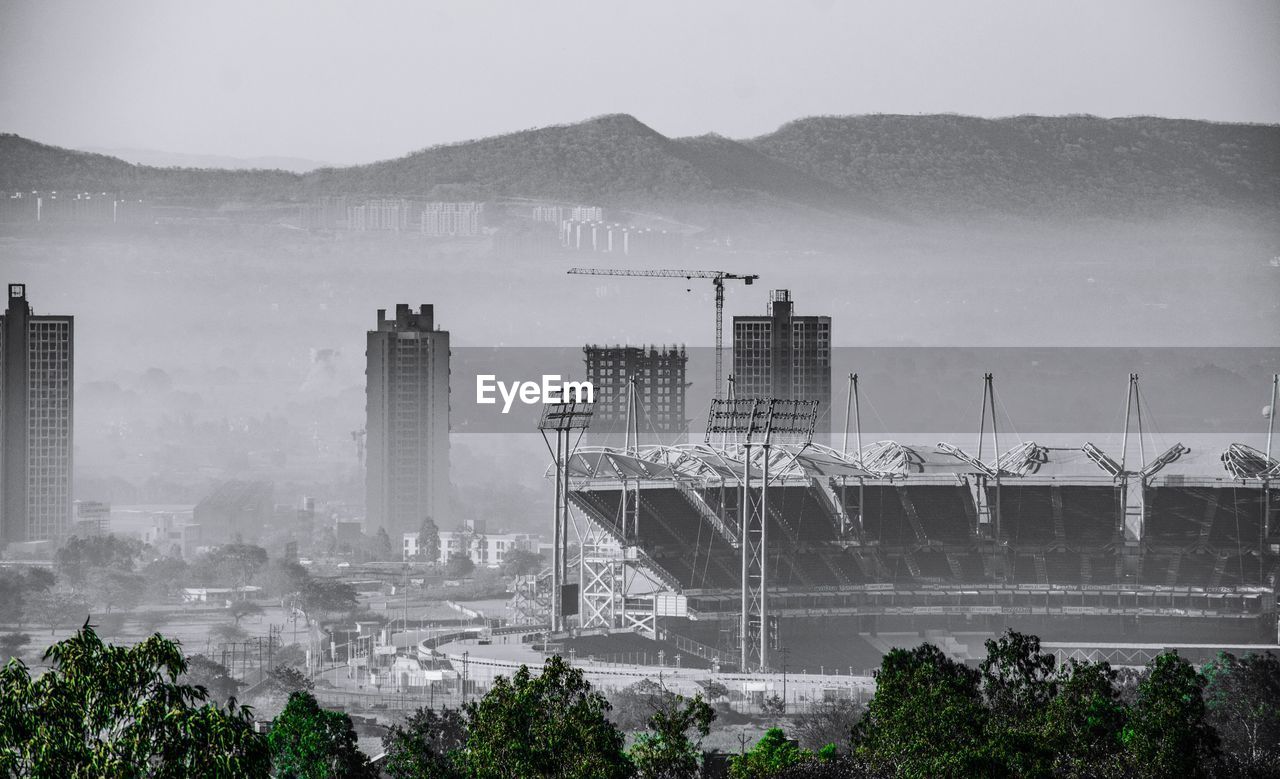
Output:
x=853 y=445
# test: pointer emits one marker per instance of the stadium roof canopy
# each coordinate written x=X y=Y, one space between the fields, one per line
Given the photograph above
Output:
x=895 y=460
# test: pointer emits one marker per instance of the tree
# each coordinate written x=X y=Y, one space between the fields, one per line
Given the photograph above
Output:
x=382 y=548
x=321 y=596
x=11 y=644
x=829 y=722
x=667 y=751
x=927 y=717
x=459 y=567
x=773 y=706
x=229 y=632
x=424 y=746
x=522 y=562
x=243 y=608
x=286 y=680
x=1242 y=695
x=164 y=579
x=1168 y=733
x=230 y=565
x=111 y=588
x=17 y=588
x=1018 y=682
x=429 y=541
x=715 y=690
x=103 y=710
x=635 y=704
x=56 y=608
x=310 y=742
x=213 y=676
x=285 y=578
x=772 y=754
x=550 y=725
x=78 y=555
x=1084 y=721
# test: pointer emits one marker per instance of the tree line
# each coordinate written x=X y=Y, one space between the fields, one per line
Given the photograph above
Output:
x=104 y=710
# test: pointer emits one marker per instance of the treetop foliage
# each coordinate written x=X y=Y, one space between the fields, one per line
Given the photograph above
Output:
x=104 y=710
x=552 y=724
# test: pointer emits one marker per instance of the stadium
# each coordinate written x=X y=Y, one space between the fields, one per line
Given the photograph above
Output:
x=1103 y=557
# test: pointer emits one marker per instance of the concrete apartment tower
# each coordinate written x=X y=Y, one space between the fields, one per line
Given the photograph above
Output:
x=36 y=408
x=407 y=408
x=782 y=355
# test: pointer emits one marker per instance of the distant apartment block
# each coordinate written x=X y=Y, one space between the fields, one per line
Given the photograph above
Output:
x=435 y=219
x=393 y=214
x=659 y=375
x=783 y=355
x=73 y=208
x=36 y=415
x=558 y=214
x=407 y=421
x=625 y=240
x=455 y=220
x=486 y=551
x=235 y=511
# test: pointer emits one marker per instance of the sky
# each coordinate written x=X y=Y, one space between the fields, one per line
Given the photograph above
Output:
x=356 y=82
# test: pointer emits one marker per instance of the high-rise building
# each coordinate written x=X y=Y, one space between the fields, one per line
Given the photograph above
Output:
x=407 y=408
x=35 y=422
x=660 y=386
x=782 y=355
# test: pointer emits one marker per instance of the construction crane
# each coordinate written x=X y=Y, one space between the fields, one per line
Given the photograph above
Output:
x=717 y=277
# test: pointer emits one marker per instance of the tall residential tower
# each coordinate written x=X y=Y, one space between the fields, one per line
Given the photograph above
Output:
x=407 y=408
x=783 y=355
x=35 y=422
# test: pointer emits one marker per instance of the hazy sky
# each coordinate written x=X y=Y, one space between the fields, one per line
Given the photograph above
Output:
x=354 y=82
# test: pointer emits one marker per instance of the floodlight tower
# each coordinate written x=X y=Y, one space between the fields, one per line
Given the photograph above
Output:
x=561 y=420
x=753 y=422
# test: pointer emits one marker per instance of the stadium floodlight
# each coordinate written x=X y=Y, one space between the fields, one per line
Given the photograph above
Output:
x=560 y=420
x=752 y=422
x=573 y=415
x=756 y=421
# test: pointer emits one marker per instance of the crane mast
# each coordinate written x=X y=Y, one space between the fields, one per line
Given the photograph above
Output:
x=717 y=280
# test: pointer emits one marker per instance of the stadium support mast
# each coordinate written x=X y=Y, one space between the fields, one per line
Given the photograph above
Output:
x=718 y=278
x=988 y=514
x=851 y=402
x=1132 y=482
x=1271 y=412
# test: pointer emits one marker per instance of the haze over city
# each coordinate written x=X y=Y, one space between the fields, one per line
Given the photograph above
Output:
x=932 y=364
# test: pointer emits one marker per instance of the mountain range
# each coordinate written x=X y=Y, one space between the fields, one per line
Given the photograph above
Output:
x=873 y=165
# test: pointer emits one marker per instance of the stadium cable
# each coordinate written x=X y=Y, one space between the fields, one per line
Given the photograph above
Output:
x=1158 y=440
x=999 y=403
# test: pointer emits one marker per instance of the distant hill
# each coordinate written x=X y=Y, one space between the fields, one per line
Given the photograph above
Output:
x=1033 y=164
x=27 y=165
x=878 y=165
x=170 y=159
